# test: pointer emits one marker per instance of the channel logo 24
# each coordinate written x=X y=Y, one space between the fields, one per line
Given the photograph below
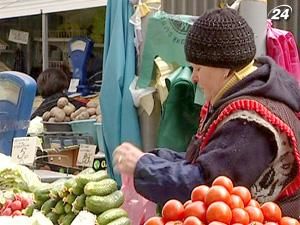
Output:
x=281 y=12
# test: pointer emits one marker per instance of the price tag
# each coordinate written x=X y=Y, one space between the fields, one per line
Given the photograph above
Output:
x=24 y=150
x=86 y=155
x=73 y=85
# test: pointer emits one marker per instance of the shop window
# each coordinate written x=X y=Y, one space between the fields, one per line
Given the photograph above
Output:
x=62 y=26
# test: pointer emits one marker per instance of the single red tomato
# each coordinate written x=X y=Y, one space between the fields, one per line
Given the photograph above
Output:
x=218 y=211
x=271 y=211
x=236 y=202
x=255 y=214
x=192 y=220
x=197 y=209
x=217 y=193
x=154 y=221
x=187 y=203
x=271 y=223
x=225 y=182
x=240 y=216
x=288 y=221
x=254 y=203
x=199 y=193
x=216 y=223
x=255 y=223
x=243 y=192
x=177 y=222
x=172 y=210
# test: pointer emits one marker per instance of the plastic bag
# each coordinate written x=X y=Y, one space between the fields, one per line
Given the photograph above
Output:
x=282 y=47
x=138 y=93
x=139 y=209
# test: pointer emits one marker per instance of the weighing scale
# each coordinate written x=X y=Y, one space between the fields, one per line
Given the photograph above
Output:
x=17 y=92
x=80 y=49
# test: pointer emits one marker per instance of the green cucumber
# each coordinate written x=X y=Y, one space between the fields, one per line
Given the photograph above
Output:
x=121 y=221
x=101 y=188
x=48 y=205
x=87 y=171
x=77 y=189
x=59 y=208
x=83 y=179
x=69 y=183
x=68 y=208
x=61 y=218
x=42 y=194
x=53 y=217
x=38 y=204
x=67 y=220
x=70 y=198
x=79 y=203
x=29 y=210
x=98 y=204
x=110 y=215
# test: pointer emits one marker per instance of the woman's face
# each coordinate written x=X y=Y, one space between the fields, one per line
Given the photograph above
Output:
x=209 y=79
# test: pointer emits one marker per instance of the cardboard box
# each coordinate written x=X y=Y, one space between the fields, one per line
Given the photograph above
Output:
x=65 y=158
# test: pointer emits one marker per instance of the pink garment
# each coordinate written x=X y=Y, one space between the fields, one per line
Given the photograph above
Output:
x=281 y=46
x=138 y=208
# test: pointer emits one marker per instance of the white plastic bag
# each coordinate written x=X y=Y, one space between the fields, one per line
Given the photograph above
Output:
x=138 y=93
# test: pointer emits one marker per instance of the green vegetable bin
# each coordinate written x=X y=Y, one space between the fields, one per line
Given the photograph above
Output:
x=85 y=126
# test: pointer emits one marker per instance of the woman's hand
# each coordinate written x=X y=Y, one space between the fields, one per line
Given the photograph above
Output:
x=125 y=158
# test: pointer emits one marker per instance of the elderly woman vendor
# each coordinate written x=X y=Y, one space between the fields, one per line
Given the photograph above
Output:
x=249 y=129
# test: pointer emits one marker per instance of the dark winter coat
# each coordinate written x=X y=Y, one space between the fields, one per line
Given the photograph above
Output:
x=240 y=149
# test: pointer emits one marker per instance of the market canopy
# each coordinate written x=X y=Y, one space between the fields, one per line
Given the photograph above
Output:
x=17 y=8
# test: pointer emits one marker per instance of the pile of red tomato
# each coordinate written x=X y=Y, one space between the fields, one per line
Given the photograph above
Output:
x=221 y=204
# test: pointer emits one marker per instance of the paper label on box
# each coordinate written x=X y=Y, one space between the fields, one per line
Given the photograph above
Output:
x=86 y=155
x=24 y=150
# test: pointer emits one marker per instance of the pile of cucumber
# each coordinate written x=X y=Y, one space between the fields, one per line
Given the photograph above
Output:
x=92 y=191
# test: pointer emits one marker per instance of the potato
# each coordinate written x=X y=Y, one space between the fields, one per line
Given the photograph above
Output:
x=93 y=117
x=73 y=116
x=72 y=106
x=83 y=116
x=67 y=119
x=69 y=109
x=78 y=111
x=46 y=116
x=98 y=111
x=92 y=104
x=51 y=120
x=91 y=111
x=59 y=115
x=99 y=119
x=54 y=110
x=62 y=102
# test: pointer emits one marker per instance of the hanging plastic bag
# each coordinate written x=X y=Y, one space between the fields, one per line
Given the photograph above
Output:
x=139 y=209
x=139 y=93
x=281 y=46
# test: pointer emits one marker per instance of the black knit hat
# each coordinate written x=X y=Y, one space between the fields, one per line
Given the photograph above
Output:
x=220 y=38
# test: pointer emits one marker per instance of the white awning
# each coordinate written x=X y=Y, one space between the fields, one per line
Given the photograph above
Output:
x=18 y=8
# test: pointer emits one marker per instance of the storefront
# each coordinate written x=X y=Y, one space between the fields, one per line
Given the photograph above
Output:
x=34 y=35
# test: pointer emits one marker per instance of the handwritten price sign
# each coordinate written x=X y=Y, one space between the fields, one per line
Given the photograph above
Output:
x=86 y=155
x=24 y=150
